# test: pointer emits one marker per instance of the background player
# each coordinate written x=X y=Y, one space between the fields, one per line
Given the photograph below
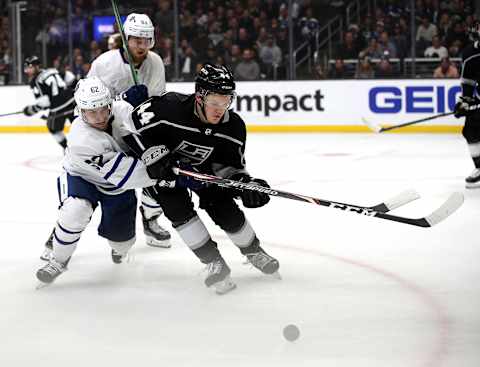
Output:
x=470 y=79
x=51 y=92
x=113 y=68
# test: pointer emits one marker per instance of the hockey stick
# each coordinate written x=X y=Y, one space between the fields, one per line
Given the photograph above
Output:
x=124 y=40
x=11 y=113
x=446 y=209
x=380 y=129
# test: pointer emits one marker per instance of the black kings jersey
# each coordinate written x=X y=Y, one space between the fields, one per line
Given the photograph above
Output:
x=171 y=120
x=51 y=91
x=471 y=69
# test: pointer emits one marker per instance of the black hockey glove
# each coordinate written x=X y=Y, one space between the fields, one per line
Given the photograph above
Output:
x=159 y=163
x=465 y=107
x=136 y=95
x=30 y=110
x=250 y=198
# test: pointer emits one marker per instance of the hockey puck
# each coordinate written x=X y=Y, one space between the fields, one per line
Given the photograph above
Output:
x=291 y=332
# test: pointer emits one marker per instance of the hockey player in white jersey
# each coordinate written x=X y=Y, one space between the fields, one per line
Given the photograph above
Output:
x=97 y=172
x=113 y=68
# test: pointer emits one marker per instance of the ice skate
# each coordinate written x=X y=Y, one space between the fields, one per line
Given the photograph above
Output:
x=118 y=258
x=264 y=262
x=473 y=181
x=48 y=250
x=155 y=235
x=219 y=276
x=49 y=272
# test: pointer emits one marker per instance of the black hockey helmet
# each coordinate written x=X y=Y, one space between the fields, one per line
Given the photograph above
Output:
x=31 y=61
x=214 y=79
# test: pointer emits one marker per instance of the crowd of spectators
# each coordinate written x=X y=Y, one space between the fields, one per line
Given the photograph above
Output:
x=251 y=37
x=378 y=45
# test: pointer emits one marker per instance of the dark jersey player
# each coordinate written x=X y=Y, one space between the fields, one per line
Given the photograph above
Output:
x=200 y=131
x=52 y=93
x=470 y=80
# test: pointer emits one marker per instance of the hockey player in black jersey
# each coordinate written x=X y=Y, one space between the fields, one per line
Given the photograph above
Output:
x=51 y=92
x=199 y=130
x=470 y=79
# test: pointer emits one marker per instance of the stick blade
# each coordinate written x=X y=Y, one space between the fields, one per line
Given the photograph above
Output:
x=374 y=127
x=401 y=199
x=454 y=202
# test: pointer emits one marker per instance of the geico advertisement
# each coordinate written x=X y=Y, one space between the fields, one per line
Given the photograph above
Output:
x=343 y=102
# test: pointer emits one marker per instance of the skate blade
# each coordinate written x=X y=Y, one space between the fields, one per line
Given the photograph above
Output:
x=156 y=243
x=46 y=255
x=475 y=185
x=276 y=275
x=224 y=286
x=41 y=285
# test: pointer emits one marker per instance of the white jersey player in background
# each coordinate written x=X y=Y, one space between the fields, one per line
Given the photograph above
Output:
x=97 y=172
x=113 y=69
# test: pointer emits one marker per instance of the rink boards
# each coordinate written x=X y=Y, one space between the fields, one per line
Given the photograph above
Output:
x=305 y=106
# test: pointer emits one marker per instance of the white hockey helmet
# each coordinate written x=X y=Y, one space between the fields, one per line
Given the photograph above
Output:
x=139 y=25
x=91 y=93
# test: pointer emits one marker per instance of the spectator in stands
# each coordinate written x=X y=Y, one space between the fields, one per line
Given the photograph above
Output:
x=379 y=29
x=167 y=54
x=400 y=41
x=358 y=39
x=244 y=40
x=164 y=18
x=282 y=39
x=262 y=38
x=248 y=68
x=384 y=69
x=455 y=49
x=373 y=50
x=78 y=70
x=215 y=35
x=235 y=56
x=187 y=25
x=187 y=64
x=444 y=25
x=271 y=57
x=200 y=43
x=94 y=51
x=364 y=69
x=211 y=55
x=347 y=49
x=339 y=71
x=446 y=69
x=436 y=50
x=387 y=47
x=425 y=32
x=366 y=28
x=457 y=33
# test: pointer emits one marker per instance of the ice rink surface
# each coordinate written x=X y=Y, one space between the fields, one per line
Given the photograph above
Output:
x=363 y=291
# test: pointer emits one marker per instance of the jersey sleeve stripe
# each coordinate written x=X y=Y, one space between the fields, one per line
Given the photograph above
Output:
x=115 y=166
x=236 y=141
x=129 y=173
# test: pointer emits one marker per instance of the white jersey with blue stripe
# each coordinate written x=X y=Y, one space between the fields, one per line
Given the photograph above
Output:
x=100 y=158
x=113 y=69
